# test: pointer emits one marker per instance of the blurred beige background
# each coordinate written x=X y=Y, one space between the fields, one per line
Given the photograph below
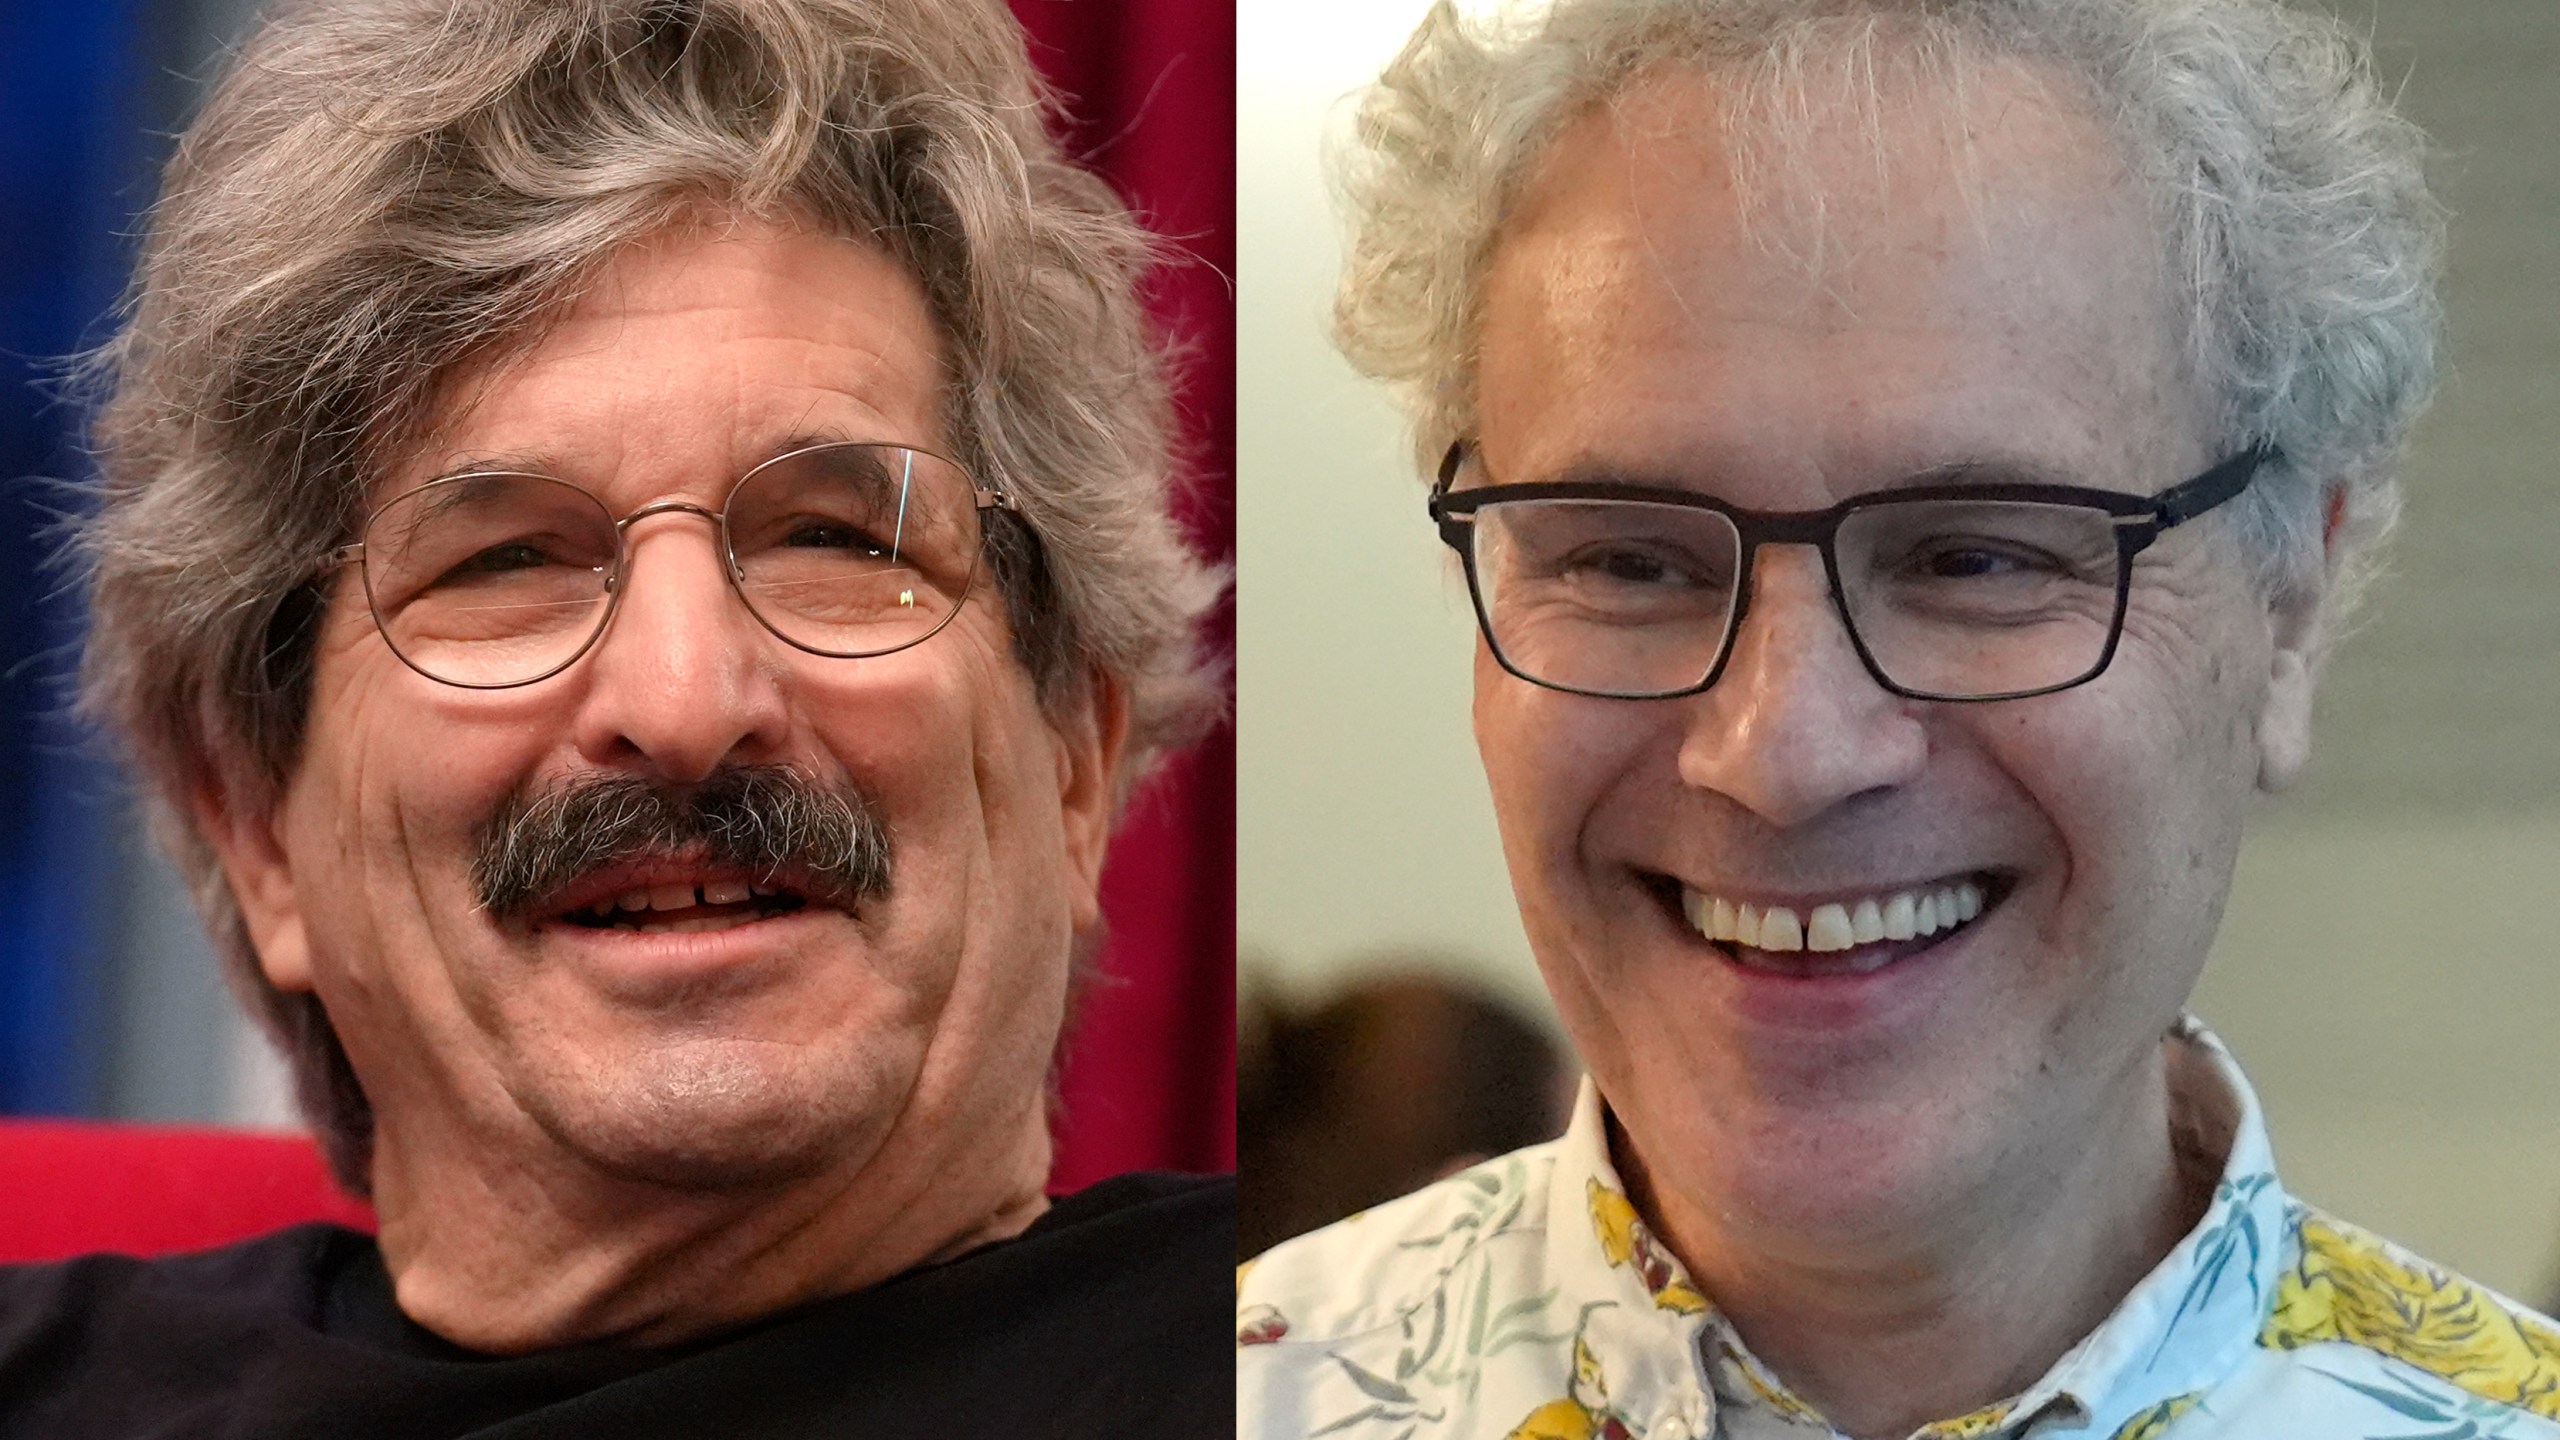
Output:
x=2388 y=970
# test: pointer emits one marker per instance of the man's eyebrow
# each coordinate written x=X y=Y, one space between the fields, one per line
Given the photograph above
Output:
x=534 y=462
x=1997 y=470
x=1596 y=470
x=508 y=462
x=1989 y=470
x=804 y=439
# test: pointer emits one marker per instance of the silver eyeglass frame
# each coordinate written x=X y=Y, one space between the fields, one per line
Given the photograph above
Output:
x=986 y=498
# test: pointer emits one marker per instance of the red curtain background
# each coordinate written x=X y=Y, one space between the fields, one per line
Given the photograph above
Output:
x=1150 y=1078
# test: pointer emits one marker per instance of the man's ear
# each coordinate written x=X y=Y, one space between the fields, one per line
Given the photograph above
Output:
x=250 y=848
x=1093 y=743
x=2297 y=619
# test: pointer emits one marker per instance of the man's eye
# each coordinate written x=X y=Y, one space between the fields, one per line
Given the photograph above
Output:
x=500 y=559
x=1976 y=560
x=829 y=535
x=1632 y=565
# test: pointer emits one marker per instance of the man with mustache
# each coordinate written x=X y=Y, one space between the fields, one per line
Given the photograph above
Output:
x=633 y=559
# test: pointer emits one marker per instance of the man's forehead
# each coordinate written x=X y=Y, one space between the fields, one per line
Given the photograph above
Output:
x=1731 y=198
x=1965 y=278
x=733 y=345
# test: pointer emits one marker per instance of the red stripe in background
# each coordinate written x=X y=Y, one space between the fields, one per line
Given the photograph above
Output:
x=1150 y=1078
x=68 y=1188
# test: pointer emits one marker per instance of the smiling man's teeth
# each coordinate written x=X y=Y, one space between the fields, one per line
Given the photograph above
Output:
x=682 y=897
x=631 y=909
x=1839 y=925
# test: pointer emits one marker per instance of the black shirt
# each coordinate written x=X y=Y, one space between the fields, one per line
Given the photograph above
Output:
x=1110 y=1316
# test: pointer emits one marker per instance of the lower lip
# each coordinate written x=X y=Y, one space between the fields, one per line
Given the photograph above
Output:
x=1839 y=1000
x=644 y=964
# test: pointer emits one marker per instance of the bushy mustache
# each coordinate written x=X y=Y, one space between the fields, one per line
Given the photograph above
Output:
x=768 y=821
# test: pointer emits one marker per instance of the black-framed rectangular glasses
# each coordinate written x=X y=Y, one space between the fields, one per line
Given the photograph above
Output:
x=1951 y=591
x=493 y=579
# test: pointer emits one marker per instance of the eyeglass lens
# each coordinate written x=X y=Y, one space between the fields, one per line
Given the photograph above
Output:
x=499 y=579
x=1957 y=599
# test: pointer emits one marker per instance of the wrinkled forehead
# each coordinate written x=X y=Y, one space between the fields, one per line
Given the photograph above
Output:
x=743 y=338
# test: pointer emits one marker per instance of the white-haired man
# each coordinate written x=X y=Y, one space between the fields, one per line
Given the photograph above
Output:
x=1906 y=459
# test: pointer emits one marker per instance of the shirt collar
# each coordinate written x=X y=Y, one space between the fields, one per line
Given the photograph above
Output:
x=1652 y=1347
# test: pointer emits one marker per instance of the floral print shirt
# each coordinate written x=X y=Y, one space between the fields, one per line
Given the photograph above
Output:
x=1525 y=1299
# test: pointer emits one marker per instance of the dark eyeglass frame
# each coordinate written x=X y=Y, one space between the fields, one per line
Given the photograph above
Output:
x=986 y=497
x=2138 y=520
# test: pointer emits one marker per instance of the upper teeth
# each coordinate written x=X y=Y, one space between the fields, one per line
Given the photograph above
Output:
x=680 y=896
x=1838 y=925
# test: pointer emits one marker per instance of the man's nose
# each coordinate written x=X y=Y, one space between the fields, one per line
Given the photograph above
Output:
x=1796 y=725
x=684 y=679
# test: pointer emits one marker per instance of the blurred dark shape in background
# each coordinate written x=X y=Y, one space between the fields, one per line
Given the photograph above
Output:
x=1393 y=1080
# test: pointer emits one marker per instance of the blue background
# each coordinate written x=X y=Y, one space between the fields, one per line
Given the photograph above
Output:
x=89 y=93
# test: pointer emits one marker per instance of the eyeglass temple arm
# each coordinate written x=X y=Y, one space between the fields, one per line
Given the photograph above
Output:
x=2181 y=503
x=1450 y=526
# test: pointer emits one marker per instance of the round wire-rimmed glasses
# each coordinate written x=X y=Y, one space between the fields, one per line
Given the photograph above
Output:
x=1954 y=591
x=492 y=579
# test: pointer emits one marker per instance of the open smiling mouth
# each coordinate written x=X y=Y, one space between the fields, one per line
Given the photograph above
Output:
x=1849 y=935
x=678 y=907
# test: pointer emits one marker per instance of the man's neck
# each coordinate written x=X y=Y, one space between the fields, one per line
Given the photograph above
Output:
x=525 y=1257
x=1961 y=1310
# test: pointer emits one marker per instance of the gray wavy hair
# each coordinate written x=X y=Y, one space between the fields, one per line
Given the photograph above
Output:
x=2300 y=240
x=380 y=190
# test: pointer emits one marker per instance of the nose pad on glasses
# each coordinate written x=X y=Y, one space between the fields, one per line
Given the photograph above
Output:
x=1791 y=621
x=727 y=609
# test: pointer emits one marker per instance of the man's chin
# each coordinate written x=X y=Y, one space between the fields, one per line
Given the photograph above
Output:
x=717 y=1116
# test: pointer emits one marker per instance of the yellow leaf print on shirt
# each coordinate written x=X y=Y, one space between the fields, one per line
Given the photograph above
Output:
x=2150 y=1424
x=1582 y=1415
x=2347 y=1287
x=1555 y=1420
x=1966 y=1427
x=1626 y=1240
